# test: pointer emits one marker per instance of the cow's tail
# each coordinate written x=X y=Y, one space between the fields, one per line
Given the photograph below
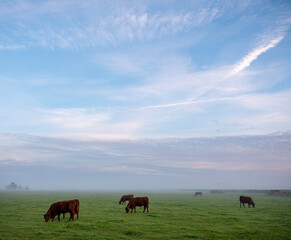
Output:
x=77 y=208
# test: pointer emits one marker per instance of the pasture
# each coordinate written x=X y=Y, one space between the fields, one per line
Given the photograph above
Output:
x=176 y=215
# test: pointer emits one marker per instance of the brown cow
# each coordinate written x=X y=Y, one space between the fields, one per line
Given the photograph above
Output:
x=125 y=198
x=138 y=201
x=198 y=194
x=57 y=208
x=245 y=199
x=76 y=209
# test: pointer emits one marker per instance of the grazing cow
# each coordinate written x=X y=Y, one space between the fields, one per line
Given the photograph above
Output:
x=76 y=209
x=138 y=201
x=198 y=194
x=57 y=208
x=245 y=199
x=125 y=198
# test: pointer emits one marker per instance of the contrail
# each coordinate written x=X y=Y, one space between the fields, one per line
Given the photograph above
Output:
x=186 y=103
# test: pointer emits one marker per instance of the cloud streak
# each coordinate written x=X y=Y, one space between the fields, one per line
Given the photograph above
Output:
x=254 y=54
x=112 y=25
x=152 y=156
x=11 y=47
x=186 y=103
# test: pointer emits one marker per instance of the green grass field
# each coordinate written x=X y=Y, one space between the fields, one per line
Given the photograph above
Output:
x=171 y=216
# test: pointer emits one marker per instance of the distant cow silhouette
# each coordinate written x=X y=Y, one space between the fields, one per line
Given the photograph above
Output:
x=58 y=208
x=245 y=199
x=125 y=198
x=138 y=201
x=198 y=194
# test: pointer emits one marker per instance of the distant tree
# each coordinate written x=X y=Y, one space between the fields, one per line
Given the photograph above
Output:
x=11 y=186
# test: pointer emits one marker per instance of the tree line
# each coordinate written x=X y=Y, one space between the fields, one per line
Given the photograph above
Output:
x=13 y=186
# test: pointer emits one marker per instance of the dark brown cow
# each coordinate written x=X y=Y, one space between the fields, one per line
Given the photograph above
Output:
x=138 y=201
x=245 y=199
x=125 y=198
x=57 y=208
x=198 y=194
x=77 y=208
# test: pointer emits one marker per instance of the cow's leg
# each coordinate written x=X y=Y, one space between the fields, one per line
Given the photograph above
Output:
x=249 y=205
x=240 y=204
x=144 y=207
x=63 y=215
x=77 y=211
x=59 y=216
x=73 y=215
x=134 y=209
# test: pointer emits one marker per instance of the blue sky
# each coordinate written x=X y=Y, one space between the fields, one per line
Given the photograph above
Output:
x=115 y=71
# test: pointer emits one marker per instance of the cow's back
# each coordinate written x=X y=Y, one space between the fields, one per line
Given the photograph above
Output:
x=141 y=201
x=127 y=197
x=248 y=200
x=67 y=206
x=245 y=199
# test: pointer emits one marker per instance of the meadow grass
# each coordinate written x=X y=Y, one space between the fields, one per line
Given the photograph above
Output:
x=171 y=216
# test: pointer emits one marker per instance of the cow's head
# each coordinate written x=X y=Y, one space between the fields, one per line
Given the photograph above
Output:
x=46 y=217
x=126 y=209
x=119 y=202
x=253 y=204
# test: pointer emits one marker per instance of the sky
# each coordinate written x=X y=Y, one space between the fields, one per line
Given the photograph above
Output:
x=145 y=94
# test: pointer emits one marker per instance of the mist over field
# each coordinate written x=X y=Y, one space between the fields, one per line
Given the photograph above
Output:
x=241 y=162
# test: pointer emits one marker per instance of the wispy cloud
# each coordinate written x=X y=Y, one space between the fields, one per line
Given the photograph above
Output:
x=254 y=54
x=268 y=111
x=127 y=169
x=153 y=156
x=108 y=26
x=89 y=124
x=11 y=47
x=75 y=118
